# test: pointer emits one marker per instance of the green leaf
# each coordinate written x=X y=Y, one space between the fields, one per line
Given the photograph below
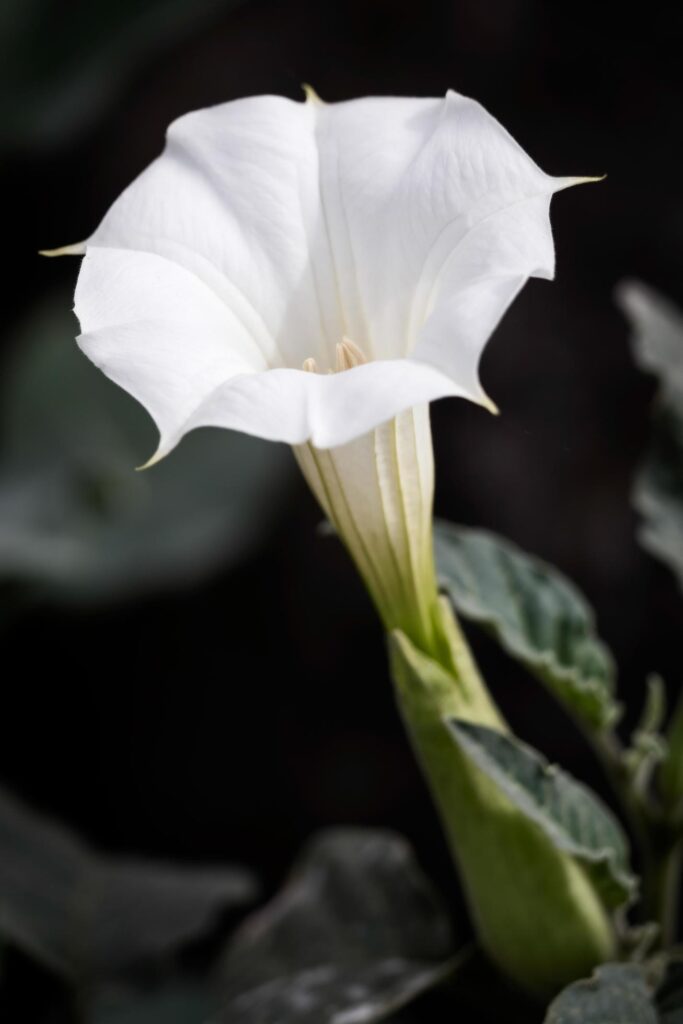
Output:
x=91 y=917
x=616 y=994
x=536 y=615
x=572 y=817
x=355 y=934
x=76 y=520
x=657 y=343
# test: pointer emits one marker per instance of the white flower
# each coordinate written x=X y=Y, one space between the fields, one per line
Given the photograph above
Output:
x=269 y=230
x=274 y=243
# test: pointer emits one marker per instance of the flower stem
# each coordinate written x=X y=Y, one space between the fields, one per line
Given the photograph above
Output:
x=661 y=887
x=659 y=845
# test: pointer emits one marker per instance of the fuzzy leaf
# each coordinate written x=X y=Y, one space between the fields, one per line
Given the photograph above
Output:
x=355 y=934
x=616 y=994
x=567 y=811
x=534 y=612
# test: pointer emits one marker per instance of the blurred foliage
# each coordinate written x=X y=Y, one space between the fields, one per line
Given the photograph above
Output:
x=90 y=917
x=76 y=520
x=657 y=343
x=60 y=64
x=355 y=934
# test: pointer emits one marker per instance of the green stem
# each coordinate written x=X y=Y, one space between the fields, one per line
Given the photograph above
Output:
x=658 y=845
x=661 y=885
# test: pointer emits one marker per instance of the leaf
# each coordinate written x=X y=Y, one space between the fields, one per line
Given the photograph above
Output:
x=657 y=340
x=616 y=994
x=536 y=615
x=657 y=343
x=76 y=520
x=567 y=811
x=355 y=933
x=89 y=917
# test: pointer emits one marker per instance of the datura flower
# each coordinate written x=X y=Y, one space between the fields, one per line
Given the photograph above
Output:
x=317 y=274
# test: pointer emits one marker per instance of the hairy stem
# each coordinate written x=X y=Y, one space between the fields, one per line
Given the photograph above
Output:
x=658 y=844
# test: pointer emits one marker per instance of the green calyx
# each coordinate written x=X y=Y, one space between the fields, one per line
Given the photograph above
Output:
x=534 y=905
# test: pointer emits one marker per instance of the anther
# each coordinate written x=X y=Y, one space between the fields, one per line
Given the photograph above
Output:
x=348 y=355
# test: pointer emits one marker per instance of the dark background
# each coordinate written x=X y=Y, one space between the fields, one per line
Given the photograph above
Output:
x=232 y=719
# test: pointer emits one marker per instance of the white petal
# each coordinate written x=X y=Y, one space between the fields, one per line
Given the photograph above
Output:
x=478 y=282
x=327 y=409
x=234 y=198
x=159 y=332
x=405 y=183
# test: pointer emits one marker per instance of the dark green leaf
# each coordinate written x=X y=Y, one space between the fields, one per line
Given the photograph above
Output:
x=76 y=520
x=567 y=811
x=89 y=916
x=616 y=994
x=658 y=492
x=355 y=933
x=537 y=616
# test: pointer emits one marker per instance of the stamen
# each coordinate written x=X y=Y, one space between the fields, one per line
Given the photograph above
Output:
x=310 y=365
x=349 y=355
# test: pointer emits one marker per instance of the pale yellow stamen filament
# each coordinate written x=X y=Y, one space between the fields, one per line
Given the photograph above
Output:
x=347 y=355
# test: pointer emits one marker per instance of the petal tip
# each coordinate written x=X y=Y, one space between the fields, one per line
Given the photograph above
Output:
x=159 y=454
x=577 y=180
x=487 y=403
x=75 y=249
x=311 y=95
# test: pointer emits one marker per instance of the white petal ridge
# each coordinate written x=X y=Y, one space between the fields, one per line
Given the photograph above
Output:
x=269 y=230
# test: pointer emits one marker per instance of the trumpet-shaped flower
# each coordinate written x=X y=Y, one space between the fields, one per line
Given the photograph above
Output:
x=308 y=272
x=269 y=231
x=318 y=274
